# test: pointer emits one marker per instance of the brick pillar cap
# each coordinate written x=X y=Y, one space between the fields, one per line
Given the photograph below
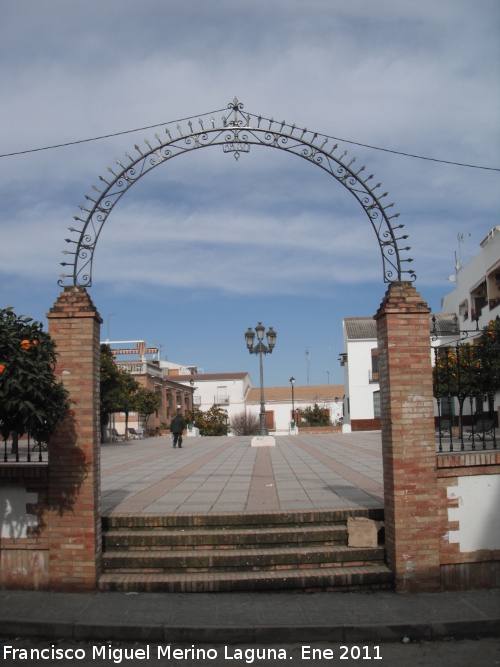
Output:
x=401 y=297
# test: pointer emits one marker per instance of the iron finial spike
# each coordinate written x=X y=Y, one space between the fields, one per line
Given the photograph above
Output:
x=129 y=156
x=137 y=148
x=180 y=129
x=271 y=122
x=362 y=169
x=343 y=153
x=201 y=123
x=352 y=160
x=369 y=177
x=146 y=141
x=292 y=129
x=235 y=101
x=190 y=126
x=213 y=121
x=94 y=187
x=109 y=169
x=282 y=125
x=303 y=132
x=118 y=162
x=168 y=132
x=325 y=141
x=101 y=178
x=258 y=121
x=335 y=146
x=376 y=186
x=157 y=136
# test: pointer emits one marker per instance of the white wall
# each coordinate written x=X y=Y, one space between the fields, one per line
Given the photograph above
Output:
x=477 y=512
x=358 y=388
x=283 y=412
x=208 y=390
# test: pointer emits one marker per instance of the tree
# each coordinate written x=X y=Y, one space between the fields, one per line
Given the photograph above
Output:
x=211 y=422
x=469 y=370
x=31 y=400
x=118 y=388
x=315 y=416
x=146 y=402
x=245 y=423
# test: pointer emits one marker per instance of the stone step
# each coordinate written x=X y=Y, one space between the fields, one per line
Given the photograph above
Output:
x=209 y=520
x=224 y=538
x=239 y=559
x=313 y=579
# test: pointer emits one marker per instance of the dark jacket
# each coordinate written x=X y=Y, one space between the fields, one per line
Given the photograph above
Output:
x=177 y=425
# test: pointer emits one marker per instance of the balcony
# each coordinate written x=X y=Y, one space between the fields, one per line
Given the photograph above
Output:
x=139 y=368
x=221 y=400
x=372 y=376
x=196 y=400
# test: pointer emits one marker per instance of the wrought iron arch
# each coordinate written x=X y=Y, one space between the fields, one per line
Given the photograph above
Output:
x=236 y=133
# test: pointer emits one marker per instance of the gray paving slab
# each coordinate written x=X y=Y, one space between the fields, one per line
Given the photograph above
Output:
x=223 y=482
x=259 y=617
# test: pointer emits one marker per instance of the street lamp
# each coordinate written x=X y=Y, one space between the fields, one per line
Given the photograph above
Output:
x=292 y=382
x=261 y=349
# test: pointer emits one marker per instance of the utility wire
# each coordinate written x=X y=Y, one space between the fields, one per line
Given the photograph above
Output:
x=106 y=136
x=178 y=120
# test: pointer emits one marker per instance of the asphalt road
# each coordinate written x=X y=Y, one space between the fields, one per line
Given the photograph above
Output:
x=453 y=653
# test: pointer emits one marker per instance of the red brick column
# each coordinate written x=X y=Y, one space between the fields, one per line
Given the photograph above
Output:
x=74 y=453
x=412 y=521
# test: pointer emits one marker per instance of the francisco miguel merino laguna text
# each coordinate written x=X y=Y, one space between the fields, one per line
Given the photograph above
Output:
x=117 y=655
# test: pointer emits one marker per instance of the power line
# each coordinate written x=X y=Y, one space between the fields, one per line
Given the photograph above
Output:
x=105 y=136
x=178 y=120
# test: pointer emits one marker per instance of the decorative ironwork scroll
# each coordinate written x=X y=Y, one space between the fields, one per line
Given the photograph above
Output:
x=236 y=133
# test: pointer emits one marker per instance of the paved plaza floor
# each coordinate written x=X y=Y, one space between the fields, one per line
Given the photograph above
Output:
x=226 y=474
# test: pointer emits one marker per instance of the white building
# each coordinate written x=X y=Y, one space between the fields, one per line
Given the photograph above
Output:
x=278 y=404
x=477 y=286
x=228 y=390
x=360 y=361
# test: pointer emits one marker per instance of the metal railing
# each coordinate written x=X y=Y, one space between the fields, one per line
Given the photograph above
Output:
x=140 y=368
x=467 y=375
x=27 y=451
x=372 y=376
x=221 y=400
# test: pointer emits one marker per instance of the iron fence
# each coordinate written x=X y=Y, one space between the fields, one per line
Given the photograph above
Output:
x=25 y=450
x=466 y=379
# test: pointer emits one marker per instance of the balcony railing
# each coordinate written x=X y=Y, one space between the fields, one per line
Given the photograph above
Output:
x=196 y=400
x=373 y=376
x=221 y=400
x=140 y=368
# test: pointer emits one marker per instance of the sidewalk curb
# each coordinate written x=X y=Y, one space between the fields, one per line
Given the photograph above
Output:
x=254 y=634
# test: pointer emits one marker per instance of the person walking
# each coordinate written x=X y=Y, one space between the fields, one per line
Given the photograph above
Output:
x=177 y=426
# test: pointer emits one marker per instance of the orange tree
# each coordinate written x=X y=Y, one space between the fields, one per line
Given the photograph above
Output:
x=210 y=422
x=32 y=402
x=469 y=370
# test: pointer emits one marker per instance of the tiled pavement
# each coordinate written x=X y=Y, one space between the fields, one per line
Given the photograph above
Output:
x=218 y=474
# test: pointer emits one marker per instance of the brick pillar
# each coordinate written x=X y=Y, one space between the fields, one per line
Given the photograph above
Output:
x=74 y=452
x=412 y=523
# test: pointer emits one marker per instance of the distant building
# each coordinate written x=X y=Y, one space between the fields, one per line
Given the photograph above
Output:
x=227 y=390
x=278 y=404
x=361 y=372
x=173 y=396
x=477 y=286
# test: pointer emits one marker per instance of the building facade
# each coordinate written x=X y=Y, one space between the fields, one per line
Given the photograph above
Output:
x=227 y=390
x=359 y=359
x=281 y=411
x=477 y=286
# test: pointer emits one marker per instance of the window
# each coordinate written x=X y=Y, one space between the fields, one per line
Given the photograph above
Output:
x=463 y=310
x=373 y=374
x=376 y=405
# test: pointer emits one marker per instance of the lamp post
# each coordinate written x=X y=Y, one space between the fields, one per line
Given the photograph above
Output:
x=292 y=382
x=261 y=349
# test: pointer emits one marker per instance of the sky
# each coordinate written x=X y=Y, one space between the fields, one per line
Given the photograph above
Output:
x=205 y=246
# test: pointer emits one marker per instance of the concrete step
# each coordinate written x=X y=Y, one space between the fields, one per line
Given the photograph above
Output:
x=206 y=520
x=256 y=537
x=313 y=579
x=231 y=560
